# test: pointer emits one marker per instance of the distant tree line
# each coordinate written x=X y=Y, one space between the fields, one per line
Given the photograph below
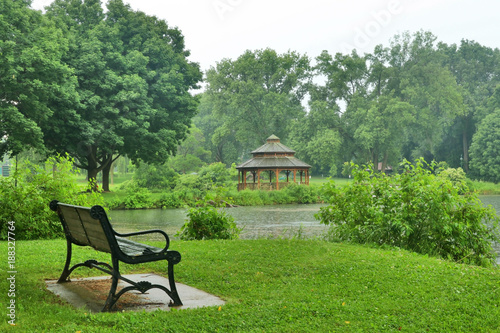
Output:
x=414 y=98
x=99 y=84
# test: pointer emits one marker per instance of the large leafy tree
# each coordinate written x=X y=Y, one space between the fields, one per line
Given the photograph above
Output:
x=220 y=140
x=417 y=76
x=134 y=81
x=190 y=154
x=32 y=77
x=257 y=95
x=485 y=148
x=316 y=137
x=475 y=68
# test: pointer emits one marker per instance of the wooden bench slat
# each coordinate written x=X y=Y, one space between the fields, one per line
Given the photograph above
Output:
x=74 y=224
x=132 y=248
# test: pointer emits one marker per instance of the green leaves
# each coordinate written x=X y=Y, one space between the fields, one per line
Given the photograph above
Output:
x=414 y=210
x=485 y=148
x=134 y=83
x=207 y=221
x=32 y=76
x=257 y=95
x=25 y=198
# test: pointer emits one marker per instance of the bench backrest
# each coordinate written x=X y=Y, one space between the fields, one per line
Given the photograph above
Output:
x=85 y=228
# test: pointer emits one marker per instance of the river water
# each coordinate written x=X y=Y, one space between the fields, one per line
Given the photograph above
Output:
x=257 y=221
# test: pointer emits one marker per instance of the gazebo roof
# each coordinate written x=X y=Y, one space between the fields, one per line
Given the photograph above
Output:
x=273 y=145
x=273 y=162
x=273 y=155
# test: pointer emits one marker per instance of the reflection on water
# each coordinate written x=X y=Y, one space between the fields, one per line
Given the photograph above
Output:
x=256 y=221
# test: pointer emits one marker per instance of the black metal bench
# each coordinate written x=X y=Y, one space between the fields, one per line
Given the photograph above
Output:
x=85 y=226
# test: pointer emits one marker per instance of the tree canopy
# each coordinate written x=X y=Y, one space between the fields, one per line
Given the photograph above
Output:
x=256 y=95
x=134 y=84
x=32 y=75
x=101 y=83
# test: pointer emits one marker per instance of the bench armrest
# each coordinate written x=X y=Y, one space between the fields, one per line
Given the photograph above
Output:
x=167 y=240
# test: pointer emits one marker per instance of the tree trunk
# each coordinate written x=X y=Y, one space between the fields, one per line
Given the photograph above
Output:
x=384 y=162
x=106 y=170
x=105 y=177
x=92 y=169
x=465 y=146
x=375 y=160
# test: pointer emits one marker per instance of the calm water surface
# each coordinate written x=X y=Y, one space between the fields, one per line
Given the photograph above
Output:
x=256 y=221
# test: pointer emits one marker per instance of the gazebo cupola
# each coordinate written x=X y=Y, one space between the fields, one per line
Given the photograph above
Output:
x=272 y=158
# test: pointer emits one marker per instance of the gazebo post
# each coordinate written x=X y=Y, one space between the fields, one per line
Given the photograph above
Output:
x=277 y=179
x=258 y=179
x=239 y=173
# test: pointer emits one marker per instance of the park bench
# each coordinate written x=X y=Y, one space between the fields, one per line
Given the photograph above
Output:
x=85 y=226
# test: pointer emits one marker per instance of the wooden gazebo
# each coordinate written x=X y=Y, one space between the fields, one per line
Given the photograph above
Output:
x=272 y=157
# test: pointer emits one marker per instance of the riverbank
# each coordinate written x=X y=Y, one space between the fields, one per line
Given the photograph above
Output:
x=275 y=286
x=141 y=198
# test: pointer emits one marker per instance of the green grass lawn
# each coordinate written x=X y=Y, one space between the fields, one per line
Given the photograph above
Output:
x=273 y=286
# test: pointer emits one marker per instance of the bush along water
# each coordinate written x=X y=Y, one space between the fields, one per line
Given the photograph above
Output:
x=209 y=220
x=25 y=198
x=414 y=210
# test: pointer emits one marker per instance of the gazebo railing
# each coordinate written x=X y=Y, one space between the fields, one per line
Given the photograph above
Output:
x=265 y=186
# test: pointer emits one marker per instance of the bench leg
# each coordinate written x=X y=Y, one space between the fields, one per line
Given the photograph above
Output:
x=112 y=297
x=66 y=271
x=173 y=289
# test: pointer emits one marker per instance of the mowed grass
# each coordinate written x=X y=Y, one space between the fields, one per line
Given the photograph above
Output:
x=273 y=286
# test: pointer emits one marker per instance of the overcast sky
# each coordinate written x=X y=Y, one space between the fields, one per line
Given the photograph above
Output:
x=218 y=29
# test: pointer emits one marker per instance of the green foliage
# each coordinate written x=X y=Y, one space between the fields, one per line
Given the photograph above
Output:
x=253 y=96
x=137 y=198
x=248 y=198
x=134 y=83
x=209 y=221
x=214 y=175
x=155 y=177
x=457 y=178
x=25 y=198
x=170 y=200
x=414 y=210
x=33 y=81
x=485 y=150
x=190 y=153
x=301 y=194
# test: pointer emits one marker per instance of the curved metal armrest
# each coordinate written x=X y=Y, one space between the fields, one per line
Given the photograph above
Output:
x=167 y=240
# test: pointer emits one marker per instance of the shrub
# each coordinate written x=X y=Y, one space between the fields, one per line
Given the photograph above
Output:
x=25 y=198
x=169 y=200
x=301 y=194
x=155 y=177
x=457 y=178
x=247 y=198
x=137 y=198
x=208 y=222
x=213 y=175
x=414 y=210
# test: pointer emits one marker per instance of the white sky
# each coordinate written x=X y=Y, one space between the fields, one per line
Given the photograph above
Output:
x=218 y=29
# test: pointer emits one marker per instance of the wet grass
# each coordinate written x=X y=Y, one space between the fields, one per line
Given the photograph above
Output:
x=273 y=286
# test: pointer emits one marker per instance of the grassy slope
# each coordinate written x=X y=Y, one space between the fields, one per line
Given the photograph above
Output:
x=276 y=286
